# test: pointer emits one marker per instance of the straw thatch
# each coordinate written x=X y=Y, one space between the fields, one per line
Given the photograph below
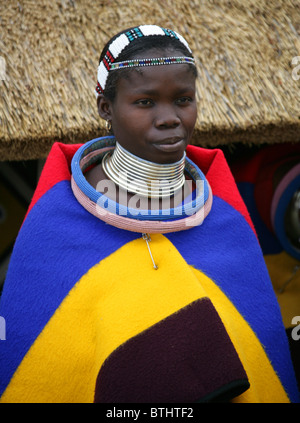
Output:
x=248 y=88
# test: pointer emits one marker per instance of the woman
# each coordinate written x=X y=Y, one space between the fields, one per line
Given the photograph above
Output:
x=137 y=275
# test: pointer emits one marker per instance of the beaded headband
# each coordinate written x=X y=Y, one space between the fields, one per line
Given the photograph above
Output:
x=117 y=46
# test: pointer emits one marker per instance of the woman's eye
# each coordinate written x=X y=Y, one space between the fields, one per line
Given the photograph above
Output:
x=184 y=100
x=145 y=102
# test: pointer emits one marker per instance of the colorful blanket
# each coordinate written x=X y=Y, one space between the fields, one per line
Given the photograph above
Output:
x=89 y=319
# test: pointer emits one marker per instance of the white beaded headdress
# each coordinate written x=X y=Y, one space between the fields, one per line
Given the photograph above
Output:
x=117 y=46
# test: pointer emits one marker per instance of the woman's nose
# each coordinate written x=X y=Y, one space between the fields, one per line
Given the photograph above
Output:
x=167 y=118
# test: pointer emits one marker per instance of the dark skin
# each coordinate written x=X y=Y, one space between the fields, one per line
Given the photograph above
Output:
x=153 y=114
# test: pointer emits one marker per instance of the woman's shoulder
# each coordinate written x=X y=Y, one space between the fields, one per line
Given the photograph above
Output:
x=214 y=165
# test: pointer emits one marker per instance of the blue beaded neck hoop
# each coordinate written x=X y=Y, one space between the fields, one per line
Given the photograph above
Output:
x=93 y=151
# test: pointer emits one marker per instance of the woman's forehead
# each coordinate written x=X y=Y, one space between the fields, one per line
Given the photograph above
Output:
x=176 y=77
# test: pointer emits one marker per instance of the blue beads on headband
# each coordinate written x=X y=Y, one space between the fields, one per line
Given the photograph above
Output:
x=134 y=34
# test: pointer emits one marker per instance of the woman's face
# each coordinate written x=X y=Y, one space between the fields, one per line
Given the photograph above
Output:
x=154 y=112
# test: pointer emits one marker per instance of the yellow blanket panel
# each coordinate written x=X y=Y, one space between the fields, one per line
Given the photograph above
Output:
x=117 y=299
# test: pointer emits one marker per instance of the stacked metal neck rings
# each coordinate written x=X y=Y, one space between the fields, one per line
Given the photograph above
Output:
x=143 y=177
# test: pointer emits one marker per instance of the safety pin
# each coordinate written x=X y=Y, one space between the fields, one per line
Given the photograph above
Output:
x=147 y=238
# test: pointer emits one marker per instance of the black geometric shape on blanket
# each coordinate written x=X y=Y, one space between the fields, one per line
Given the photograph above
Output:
x=187 y=357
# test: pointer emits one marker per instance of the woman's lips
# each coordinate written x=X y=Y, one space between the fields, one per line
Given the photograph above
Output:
x=170 y=145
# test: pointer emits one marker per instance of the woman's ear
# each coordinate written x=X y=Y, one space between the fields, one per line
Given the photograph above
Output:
x=104 y=107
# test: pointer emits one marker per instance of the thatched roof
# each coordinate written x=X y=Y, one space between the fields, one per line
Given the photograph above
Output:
x=244 y=50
